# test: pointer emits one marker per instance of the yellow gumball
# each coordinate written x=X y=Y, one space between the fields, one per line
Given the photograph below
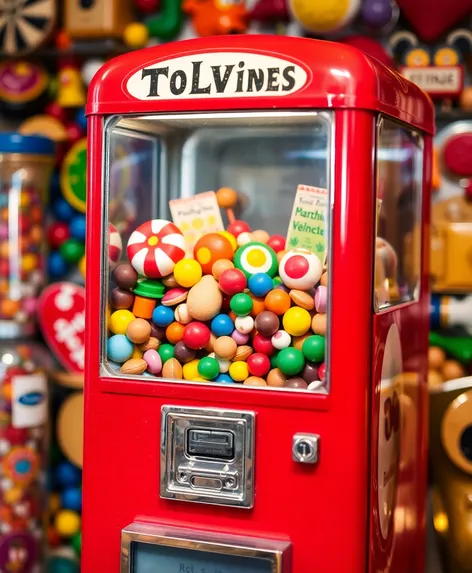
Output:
x=188 y=272
x=119 y=320
x=324 y=16
x=12 y=495
x=238 y=371
x=67 y=523
x=296 y=321
x=231 y=238
x=82 y=266
x=190 y=370
x=136 y=35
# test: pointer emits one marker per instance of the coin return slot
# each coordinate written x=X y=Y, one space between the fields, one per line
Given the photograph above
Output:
x=199 y=482
x=210 y=443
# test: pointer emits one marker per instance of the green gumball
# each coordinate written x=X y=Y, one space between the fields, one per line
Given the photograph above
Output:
x=72 y=250
x=208 y=368
x=290 y=361
x=166 y=352
x=314 y=348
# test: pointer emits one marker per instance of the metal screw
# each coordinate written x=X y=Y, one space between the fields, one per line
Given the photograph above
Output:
x=182 y=477
x=305 y=448
x=229 y=482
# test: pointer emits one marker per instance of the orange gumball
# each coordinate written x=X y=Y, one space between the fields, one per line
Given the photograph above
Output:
x=219 y=267
x=258 y=306
x=36 y=214
x=211 y=248
x=36 y=234
x=226 y=197
x=277 y=301
x=9 y=307
x=175 y=332
x=7 y=391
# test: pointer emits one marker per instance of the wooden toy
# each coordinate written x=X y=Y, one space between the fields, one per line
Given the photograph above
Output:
x=97 y=18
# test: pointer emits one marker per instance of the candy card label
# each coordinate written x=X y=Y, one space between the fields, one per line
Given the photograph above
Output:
x=308 y=226
x=29 y=400
x=196 y=216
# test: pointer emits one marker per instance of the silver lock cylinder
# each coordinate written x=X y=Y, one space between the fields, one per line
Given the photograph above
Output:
x=305 y=448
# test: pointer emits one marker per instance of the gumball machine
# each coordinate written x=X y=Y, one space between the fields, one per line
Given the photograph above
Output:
x=262 y=332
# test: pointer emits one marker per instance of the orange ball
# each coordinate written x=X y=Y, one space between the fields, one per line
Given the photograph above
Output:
x=226 y=197
x=211 y=248
x=7 y=391
x=436 y=357
x=324 y=279
x=261 y=236
x=36 y=234
x=258 y=305
x=36 y=214
x=175 y=332
x=277 y=301
x=452 y=369
x=9 y=307
x=219 y=267
x=4 y=250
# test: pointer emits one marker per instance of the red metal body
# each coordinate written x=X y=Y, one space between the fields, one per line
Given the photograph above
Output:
x=328 y=513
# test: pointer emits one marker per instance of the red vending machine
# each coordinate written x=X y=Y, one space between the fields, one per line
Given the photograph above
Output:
x=257 y=311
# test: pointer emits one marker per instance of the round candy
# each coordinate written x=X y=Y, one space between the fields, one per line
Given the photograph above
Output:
x=255 y=381
x=276 y=242
x=222 y=325
x=155 y=247
x=166 y=352
x=310 y=373
x=239 y=371
x=71 y=498
x=225 y=347
x=187 y=272
x=125 y=276
x=244 y=324
x=322 y=372
x=232 y=281
x=183 y=353
x=219 y=267
x=267 y=323
x=190 y=370
x=278 y=301
x=226 y=197
x=244 y=239
x=237 y=227
x=255 y=258
x=175 y=332
x=211 y=248
x=296 y=321
x=290 y=361
x=153 y=361
x=300 y=269
x=224 y=378
x=162 y=315
x=115 y=246
x=296 y=383
x=208 y=368
x=258 y=364
x=67 y=523
x=281 y=340
x=121 y=299
x=72 y=250
x=196 y=335
x=321 y=299
x=276 y=378
x=223 y=364
x=182 y=314
x=119 y=320
x=119 y=348
x=263 y=344
x=260 y=284
x=240 y=337
x=314 y=348
x=319 y=324
x=57 y=234
x=241 y=304
x=260 y=236
x=138 y=330
x=62 y=210
x=231 y=238
x=66 y=474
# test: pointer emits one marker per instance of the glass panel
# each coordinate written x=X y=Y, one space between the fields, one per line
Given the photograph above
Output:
x=230 y=328
x=398 y=243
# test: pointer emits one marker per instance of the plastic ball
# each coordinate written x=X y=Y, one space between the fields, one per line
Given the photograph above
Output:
x=377 y=13
x=277 y=243
x=244 y=325
x=239 y=371
x=71 y=498
x=290 y=361
x=222 y=325
x=56 y=234
x=314 y=348
x=208 y=368
x=241 y=304
x=267 y=323
x=211 y=248
x=77 y=227
x=256 y=258
x=162 y=315
x=67 y=523
x=219 y=267
x=231 y=238
x=258 y=364
x=244 y=239
x=237 y=227
x=166 y=352
x=296 y=321
x=225 y=347
x=62 y=210
x=119 y=348
x=232 y=281
x=278 y=301
x=119 y=320
x=190 y=370
x=224 y=378
x=187 y=272
x=226 y=198
x=324 y=17
x=260 y=236
x=300 y=269
x=89 y=69
x=196 y=335
x=263 y=344
x=67 y=475
x=72 y=250
x=260 y=284
x=135 y=35
x=281 y=339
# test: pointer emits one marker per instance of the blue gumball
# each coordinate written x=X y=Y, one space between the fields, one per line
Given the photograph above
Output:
x=62 y=210
x=162 y=316
x=222 y=325
x=77 y=227
x=67 y=475
x=57 y=266
x=119 y=348
x=71 y=498
x=80 y=119
x=224 y=378
x=260 y=284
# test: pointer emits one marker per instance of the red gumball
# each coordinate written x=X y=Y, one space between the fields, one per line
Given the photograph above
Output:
x=57 y=234
x=232 y=281
x=322 y=372
x=263 y=344
x=15 y=435
x=55 y=110
x=276 y=242
x=237 y=227
x=258 y=364
x=196 y=335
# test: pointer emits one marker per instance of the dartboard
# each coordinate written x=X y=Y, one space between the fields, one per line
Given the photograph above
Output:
x=25 y=25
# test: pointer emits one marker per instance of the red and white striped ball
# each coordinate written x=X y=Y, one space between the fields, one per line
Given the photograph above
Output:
x=115 y=246
x=300 y=269
x=155 y=247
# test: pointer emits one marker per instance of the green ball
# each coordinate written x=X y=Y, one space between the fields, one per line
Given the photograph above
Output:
x=77 y=543
x=208 y=368
x=72 y=250
x=241 y=304
x=276 y=281
x=166 y=352
x=273 y=360
x=314 y=348
x=290 y=361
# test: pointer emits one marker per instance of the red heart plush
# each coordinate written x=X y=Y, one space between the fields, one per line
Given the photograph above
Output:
x=432 y=18
x=61 y=317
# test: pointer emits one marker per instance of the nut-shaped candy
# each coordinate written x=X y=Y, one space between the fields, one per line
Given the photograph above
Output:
x=204 y=299
x=302 y=299
x=242 y=354
x=152 y=344
x=134 y=366
x=172 y=369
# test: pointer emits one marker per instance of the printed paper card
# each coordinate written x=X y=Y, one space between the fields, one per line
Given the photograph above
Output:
x=196 y=216
x=308 y=226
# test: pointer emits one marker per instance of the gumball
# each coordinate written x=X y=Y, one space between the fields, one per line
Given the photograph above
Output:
x=71 y=498
x=82 y=266
x=260 y=284
x=196 y=335
x=237 y=227
x=175 y=332
x=162 y=316
x=263 y=344
x=267 y=323
x=219 y=267
x=241 y=304
x=225 y=347
x=89 y=69
x=72 y=250
x=296 y=383
x=66 y=474
x=190 y=370
x=121 y=299
x=138 y=330
x=62 y=210
x=183 y=353
x=300 y=269
x=222 y=362
x=187 y=272
x=290 y=361
x=281 y=340
x=222 y=325
x=319 y=324
x=166 y=352
x=314 y=348
x=232 y=281
x=211 y=248
x=297 y=341
x=322 y=372
x=436 y=357
x=376 y=13
x=310 y=372
x=239 y=371
x=208 y=368
x=224 y=378
x=244 y=324
x=241 y=337
x=324 y=279
x=135 y=35
x=119 y=348
x=276 y=242
x=255 y=381
x=260 y=236
x=119 y=320
x=81 y=119
x=182 y=314
x=67 y=523
x=258 y=364
x=56 y=234
x=296 y=321
x=226 y=198
x=57 y=266
x=125 y=276
x=77 y=542
x=244 y=239
x=321 y=299
x=278 y=301
x=231 y=238
x=276 y=378
x=255 y=258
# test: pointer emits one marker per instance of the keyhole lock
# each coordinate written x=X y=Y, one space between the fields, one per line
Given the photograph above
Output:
x=305 y=448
